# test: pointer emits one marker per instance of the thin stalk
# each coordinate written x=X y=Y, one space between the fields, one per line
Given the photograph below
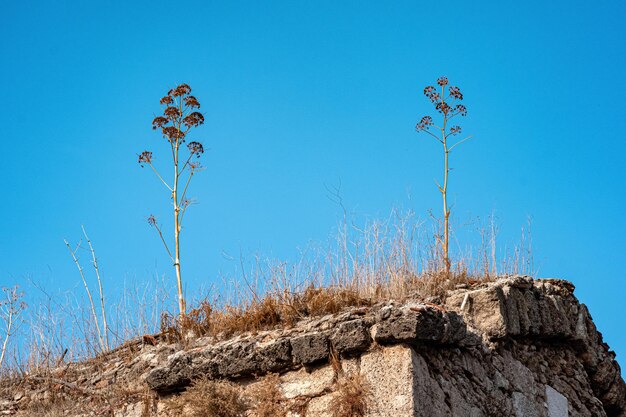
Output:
x=179 y=282
x=9 y=329
x=444 y=191
x=159 y=175
x=91 y=303
x=102 y=303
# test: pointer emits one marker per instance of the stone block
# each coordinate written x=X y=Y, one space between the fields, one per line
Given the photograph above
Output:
x=389 y=372
x=410 y=324
x=274 y=356
x=524 y=406
x=309 y=348
x=556 y=403
x=351 y=336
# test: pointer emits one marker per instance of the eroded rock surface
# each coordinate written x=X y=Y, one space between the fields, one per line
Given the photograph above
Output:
x=514 y=347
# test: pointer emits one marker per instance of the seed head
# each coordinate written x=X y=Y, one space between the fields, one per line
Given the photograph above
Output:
x=172 y=113
x=145 y=158
x=195 y=147
x=442 y=81
x=431 y=93
x=172 y=133
x=159 y=121
x=456 y=93
x=181 y=90
x=460 y=109
x=443 y=107
x=424 y=123
x=194 y=119
x=167 y=100
x=152 y=221
x=455 y=130
x=192 y=102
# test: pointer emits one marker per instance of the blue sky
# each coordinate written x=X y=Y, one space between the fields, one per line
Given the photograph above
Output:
x=300 y=94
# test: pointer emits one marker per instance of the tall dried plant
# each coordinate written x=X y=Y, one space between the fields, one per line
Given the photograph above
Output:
x=103 y=332
x=445 y=99
x=179 y=117
x=11 y=308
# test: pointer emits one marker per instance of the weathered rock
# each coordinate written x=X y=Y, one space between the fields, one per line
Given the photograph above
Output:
x=351 y=336
x=310 y=348
x=274 y=356
x=419 y=324
x=176 y=374
x=514 y=347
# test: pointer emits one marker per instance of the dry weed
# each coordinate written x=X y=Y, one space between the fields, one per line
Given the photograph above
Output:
x=351 y=396
x=267 y=398
x=270 y=312
x=208 y=398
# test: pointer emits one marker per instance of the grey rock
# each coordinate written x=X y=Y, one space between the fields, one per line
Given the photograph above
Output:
x=310 y=348
x=351 y=336
x=518 y=347
x=236 y=360
x=411 y=324
x=525 y=406
x=173 y=377
x=556 y=403
x=275 y=356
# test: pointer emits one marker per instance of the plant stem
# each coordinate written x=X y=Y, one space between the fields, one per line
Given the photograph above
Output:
x=444 y=191
x=91 y=303
x=179 y=281
x=102 y=303
x=8 y=335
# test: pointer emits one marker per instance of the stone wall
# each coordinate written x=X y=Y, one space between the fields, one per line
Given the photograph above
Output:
x=514 y=347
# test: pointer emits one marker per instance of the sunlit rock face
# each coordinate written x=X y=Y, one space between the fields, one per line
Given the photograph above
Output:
x=515 y=347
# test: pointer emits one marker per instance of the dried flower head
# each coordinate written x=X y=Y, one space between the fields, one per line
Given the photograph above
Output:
x=424 y=123
x=152 y=221
x=145 y=158
x=456 y=93
x=167 y=100
x=442 y=81
x=194 y=119
x=172 y=113
x=192 y=102
x=443 y=107
x=460 y=109
x=195 y=147
x=455 y=130
x=172 y=134
x=431 y=93
x=181 y=90
x=159 y=121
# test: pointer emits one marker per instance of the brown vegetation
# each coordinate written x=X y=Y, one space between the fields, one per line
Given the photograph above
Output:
x=267 y=398
x=351 y=396
x=207 y=398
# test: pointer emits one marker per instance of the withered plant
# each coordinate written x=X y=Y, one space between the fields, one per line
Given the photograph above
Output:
x=180 y=115
x=445 y=99
x=267 y=398
x=11 y=308
x=351 y=397
x=209 y=398
x=103 y=333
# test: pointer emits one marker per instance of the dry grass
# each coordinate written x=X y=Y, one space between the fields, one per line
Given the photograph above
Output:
x=207 y=398
x=395 y=258
x=351 y=396
x=271 y=311
x=392 y=259
x=267 y=398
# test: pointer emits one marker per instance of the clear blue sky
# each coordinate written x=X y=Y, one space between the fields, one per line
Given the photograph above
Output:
x=298 y=94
